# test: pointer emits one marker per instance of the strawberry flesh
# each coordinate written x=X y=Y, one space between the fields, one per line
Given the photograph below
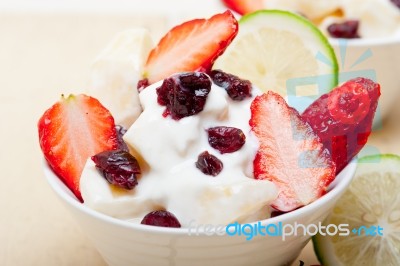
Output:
x=71 y=131
x=244 y=6
x=343 y=118
x=191 y=46
x=290 y=155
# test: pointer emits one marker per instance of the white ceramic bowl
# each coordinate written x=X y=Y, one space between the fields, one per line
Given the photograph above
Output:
x=124 y=243
x=378 y=59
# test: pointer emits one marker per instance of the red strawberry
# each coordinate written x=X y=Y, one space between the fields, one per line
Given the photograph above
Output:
x=71 y=131
x=343 y=118
x=290 y=154
x=191 y=46
x=244 y=6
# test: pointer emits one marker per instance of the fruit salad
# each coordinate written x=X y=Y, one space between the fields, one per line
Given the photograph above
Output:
x=337 y=18
x=207 y=145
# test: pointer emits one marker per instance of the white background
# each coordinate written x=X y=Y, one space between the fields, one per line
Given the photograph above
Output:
x=130 y=6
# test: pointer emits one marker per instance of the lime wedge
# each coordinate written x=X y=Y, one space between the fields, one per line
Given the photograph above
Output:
x=371 y=200
x=283 y=52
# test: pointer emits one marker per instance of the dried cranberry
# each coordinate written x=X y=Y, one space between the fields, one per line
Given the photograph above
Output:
x=142 y=84
x=184 y=94
x=118 y=167
x=226 y=139
x=346 y=30
x=161 y=218
x=396 y=3
x=120 y=133
x=237 y=89
x=209 y=164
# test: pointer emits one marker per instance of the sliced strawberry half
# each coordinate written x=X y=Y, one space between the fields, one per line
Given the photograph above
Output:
x=71 y=131
x=191 y=46
x=290 y=154
x=244 y=6
x=343 y=118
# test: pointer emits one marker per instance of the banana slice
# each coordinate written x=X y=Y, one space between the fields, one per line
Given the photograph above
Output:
x=116 y=71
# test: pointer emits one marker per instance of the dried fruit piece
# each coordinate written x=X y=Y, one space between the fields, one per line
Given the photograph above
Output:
x=343 y=118
x=71 y=131
x=237 y=89
x=290 y=154
x=118 y=167
x=142 y=84
x=209 y=164
x=120 y=133
x=396 y=3
x=184 y=94
x=276 y=213
x=191 y=46
x=346 y=30
x=226 y=139
x=161 y=218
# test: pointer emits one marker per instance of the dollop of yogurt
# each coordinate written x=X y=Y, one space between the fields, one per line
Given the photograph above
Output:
x=167 y=151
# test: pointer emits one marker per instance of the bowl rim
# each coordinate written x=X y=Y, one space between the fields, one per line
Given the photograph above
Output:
x=337 y=187
x=366 y=42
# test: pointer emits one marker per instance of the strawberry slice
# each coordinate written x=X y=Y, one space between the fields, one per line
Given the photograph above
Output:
x=244 y=6
x=191 y=46
x=343 y=118
x=71 y=131
x=290 y=154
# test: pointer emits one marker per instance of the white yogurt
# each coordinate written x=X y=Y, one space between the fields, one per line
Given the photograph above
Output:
x=167 y=150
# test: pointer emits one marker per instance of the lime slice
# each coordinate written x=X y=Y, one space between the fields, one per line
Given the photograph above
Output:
x=371 y=200
x=116 y=72
x=283 y=52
